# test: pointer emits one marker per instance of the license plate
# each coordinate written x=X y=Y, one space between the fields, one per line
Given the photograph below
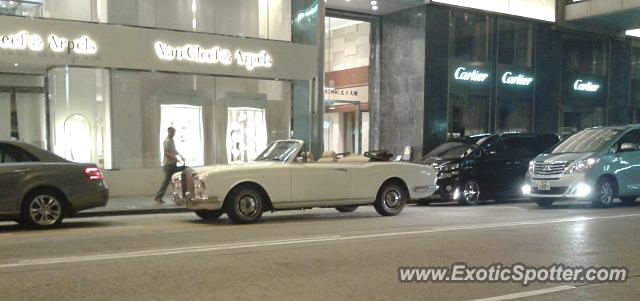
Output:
x=544 y=185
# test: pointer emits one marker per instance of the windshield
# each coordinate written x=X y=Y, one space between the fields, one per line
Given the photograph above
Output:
x=449 y=150
x=588 y=141
x=279 y=151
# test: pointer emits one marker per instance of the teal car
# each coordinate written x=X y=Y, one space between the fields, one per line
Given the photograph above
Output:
x=596 y=165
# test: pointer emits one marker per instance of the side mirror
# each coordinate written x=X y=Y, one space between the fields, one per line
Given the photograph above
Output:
x=628 y=147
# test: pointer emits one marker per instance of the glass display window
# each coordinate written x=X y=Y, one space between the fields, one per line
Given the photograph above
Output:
x=189 y=139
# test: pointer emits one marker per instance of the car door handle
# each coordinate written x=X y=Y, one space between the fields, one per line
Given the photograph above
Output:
x=340 y=169
x=21 y=171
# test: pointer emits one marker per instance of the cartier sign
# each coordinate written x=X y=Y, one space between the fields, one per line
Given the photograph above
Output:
x=474 y=75
x=509 y=78
x=586 y=86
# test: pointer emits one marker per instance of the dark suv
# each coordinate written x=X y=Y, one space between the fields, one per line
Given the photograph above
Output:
x=492 y=167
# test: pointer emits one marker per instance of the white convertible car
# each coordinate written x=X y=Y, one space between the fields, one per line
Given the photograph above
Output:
x=282 y=178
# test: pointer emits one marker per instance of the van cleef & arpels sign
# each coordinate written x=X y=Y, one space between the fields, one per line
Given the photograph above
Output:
x=26 y=41
x=214 y=55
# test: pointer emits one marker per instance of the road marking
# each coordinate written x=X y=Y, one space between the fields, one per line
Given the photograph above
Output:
x=258 y=244
x=528 y=294
x=33 y=234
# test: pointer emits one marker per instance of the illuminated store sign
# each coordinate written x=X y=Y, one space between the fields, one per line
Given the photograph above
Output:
x=509 y=78
x=215 y=55
x=473 y=76
x=580 y=85
x=24 y=40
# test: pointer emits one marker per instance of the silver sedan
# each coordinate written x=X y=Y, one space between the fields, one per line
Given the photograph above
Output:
x=40 y=189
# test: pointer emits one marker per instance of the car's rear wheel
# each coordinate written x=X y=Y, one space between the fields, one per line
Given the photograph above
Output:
x=245 y=205
x=471 y=194
x=346 y=209
x=209 y=214
x=628 y=200
x=391 y=199
x=43 y=208
x=603 y=194
x=544 y=203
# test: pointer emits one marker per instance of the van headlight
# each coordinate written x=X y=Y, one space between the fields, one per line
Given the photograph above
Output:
x=581 y=165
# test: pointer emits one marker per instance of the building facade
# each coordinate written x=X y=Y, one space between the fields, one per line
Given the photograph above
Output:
x=453 y=68
x=100 y=81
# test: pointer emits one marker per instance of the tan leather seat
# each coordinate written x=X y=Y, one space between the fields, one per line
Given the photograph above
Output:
x=328 y=157
x=355 y=158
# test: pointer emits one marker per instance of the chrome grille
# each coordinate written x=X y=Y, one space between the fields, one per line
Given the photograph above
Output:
x=553 y=168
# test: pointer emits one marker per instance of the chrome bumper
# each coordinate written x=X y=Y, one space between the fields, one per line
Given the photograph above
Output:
x=199 y=203
x=193 y=198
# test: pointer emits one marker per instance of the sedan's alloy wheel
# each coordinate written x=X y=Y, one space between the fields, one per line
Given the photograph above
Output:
x=471 y=193
x=45 y=210
x=606 y=194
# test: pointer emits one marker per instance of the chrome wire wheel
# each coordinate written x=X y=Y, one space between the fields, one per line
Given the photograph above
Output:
x=391 y=199
x=471 y=193
x=248 y=204
x=45 y=210
x=245 y=205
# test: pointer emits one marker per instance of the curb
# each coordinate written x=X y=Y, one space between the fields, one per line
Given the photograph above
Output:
x=129 y=212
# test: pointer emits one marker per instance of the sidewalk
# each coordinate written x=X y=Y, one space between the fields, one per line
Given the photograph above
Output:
x=131 y=206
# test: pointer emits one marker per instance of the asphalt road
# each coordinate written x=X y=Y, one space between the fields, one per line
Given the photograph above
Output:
x=317 y=254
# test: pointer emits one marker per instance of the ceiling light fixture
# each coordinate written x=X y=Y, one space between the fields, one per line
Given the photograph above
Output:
x=375 y=7
x=374 y=2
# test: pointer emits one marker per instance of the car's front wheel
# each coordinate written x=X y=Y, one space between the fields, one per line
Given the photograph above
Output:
x=209 y=215
x=43 y=208
x=603 y=194
x=391 y=199
x=471 y=194
x=346 y=209
x=245 y=205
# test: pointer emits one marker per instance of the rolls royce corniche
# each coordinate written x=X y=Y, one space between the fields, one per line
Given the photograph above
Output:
x=285 y=177
x=40 y=189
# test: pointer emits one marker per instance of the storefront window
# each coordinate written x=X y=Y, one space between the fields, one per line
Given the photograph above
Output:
x=635 y=84
x=635 y=62
x=468 y=115
x=515 y=43
x=267 y=19
x=584 y=102
x=217 y=119
x=514 y=115
x=515 y=78
x=470 y=37
x=80 y=114
x=585 y=56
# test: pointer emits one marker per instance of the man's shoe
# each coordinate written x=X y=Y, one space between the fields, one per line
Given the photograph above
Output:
x=159 y=201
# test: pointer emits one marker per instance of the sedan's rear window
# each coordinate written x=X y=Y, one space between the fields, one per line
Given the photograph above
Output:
x=13 y=154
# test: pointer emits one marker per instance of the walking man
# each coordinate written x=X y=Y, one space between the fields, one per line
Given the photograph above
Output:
x=169 y=163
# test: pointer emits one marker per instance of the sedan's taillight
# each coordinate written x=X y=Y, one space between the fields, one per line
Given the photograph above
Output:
x=93 y=173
